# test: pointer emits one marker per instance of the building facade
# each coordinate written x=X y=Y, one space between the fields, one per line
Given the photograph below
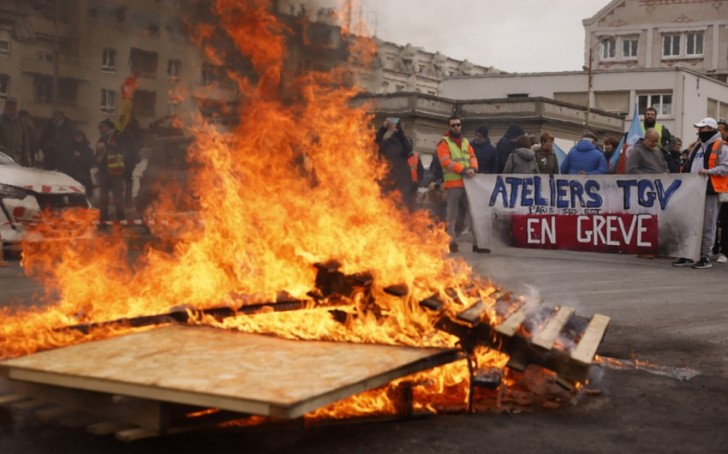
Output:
x=96 y=45
x=425 y=117
x=690 y=34
x=680 y=96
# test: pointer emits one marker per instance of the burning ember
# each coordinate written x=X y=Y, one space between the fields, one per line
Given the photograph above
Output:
x=292 y=186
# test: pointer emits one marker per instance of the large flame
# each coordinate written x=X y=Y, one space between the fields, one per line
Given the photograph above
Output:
x=294 y=184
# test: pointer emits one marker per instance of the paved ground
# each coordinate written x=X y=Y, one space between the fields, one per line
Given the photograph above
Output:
x=665 y=315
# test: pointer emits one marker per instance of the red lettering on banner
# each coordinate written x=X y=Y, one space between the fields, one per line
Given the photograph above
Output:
x=621 y=232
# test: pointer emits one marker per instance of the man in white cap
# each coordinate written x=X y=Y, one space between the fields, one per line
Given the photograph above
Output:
x=709 y=158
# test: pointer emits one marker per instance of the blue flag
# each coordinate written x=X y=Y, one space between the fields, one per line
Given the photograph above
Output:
x=560 y=155
x=634 y=133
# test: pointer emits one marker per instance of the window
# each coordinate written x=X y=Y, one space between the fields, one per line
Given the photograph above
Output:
x=145 y=103
x=685 y=45
x=45 y=56
x=629 y=47
x=43 y=89
x=145 y=23
x=671 y=45
x=108 y=60
x=694 y=44
x=210 y=73
x=609 y=48
x=717 y=109
x=661 y=102
x=4 y=85
x=143 y=61
x=108 y=100
x=173 y=68
x=4 y=42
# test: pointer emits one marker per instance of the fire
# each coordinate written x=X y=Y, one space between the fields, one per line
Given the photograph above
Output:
x=294 y=184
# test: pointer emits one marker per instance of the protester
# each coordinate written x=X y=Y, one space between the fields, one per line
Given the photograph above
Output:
x=458 y=161
x=610 y=147
x=395 y=148
x=132 y=156
x=545 y=157
x=505 y=145
x=584 y=158
x=109 y=157
x=13 y=135
x=523 y=159
x=672 y=155
x=709 y=157
x=485 y=152
x=29 y=132
x=646 y=157
x=78 y=160
x=651 y=122
x=721 y=247
x=55 y=140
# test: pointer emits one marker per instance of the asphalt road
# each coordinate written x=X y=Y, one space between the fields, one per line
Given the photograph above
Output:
x=671 y=317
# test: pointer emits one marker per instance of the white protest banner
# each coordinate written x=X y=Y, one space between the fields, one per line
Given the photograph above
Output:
x=633 y=214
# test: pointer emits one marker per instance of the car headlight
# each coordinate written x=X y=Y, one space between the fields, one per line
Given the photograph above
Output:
x=11 y=192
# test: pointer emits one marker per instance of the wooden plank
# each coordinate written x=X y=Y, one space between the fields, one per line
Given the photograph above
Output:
x=232 y=371
x=108 y=427
x=590 y=340
x=474 y=314
x=136 y=434
x=30 y=404
x=546 y=338
x=140 y=412
x=12 y=398
x=512 y=323
x=53 y=413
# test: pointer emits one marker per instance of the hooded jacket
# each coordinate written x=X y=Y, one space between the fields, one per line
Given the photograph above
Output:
x=487 y=156
x=584 y=157
x=643 y=159
x=505 y=145
x=522 y=160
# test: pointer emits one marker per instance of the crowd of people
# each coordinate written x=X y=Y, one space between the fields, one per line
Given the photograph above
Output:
x=458 y=158
x=62 y=147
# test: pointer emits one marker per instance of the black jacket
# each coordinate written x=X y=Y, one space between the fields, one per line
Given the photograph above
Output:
x=487 y=157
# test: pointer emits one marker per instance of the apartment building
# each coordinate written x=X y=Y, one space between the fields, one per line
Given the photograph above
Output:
x=97 y=45
x=628 y=34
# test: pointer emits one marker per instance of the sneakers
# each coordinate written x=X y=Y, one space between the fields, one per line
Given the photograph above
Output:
x=682 y=262
x=480 y=250
x=721 y=259
x=703 y=263
x=454 y=247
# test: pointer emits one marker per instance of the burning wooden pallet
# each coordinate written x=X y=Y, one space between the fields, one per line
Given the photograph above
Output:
x=553 y=338
x=149 y=383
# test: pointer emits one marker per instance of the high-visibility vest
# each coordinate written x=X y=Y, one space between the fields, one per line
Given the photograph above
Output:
x=720 y=183
x=457 y=154
x=658 y=128
x=413 y=161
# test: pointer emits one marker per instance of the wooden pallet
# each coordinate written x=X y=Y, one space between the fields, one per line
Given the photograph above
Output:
x=134 y=379
x=552 y=337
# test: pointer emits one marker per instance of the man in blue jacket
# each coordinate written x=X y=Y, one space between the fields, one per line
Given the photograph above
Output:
x=585 y=158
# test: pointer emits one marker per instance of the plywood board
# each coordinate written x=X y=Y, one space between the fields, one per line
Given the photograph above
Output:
x=233 y=371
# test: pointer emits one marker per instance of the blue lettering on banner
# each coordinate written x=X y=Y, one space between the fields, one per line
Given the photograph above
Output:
x=647 y=192
x=530 y=191
x=569 y=194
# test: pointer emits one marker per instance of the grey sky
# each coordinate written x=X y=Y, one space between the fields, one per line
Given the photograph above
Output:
x=512 y=35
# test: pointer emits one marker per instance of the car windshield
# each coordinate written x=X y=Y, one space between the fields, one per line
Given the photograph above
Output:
x=6 y=160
